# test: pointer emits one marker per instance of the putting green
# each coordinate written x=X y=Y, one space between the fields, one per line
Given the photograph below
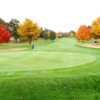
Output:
x=29 y=60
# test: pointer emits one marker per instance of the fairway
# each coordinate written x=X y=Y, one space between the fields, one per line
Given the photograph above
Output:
x=30 y=60
x=58 y=70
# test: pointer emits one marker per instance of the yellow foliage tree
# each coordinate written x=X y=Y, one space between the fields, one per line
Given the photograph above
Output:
x=30 y=29
x=96 y=28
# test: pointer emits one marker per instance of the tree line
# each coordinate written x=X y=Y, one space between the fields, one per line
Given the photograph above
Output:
x=30 y=31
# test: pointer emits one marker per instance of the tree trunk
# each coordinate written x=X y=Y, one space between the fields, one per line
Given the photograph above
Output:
x=30 y=39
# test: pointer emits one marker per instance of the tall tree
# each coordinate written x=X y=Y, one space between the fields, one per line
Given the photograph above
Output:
x=30 y=29
x=96 y=28
x=83 y=33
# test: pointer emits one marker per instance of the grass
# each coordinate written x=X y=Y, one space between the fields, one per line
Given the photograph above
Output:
x=57 y=70
x=29 y=60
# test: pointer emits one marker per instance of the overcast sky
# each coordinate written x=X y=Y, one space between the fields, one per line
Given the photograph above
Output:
x=59 y=15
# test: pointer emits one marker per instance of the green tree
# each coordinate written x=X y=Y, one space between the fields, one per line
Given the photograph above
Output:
x=44 y=34
x=52 y=35
x=13 y=26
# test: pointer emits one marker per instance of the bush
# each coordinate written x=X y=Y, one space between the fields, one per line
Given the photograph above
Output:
x=52 y=36
x=44 y=35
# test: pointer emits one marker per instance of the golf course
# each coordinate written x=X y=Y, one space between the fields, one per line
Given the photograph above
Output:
x=53 y=70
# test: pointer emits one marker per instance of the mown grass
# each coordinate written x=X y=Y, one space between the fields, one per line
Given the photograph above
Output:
x=75 y=83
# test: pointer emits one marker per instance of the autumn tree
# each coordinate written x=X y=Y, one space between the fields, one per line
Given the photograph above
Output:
x=30 y=29
x=83 y=33
x=12 y=27
x=4 y=34
x=96 y=28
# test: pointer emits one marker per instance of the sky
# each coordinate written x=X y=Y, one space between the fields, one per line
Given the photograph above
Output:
x=58 y=15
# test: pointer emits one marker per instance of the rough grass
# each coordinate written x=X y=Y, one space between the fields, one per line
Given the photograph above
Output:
x=80 y=82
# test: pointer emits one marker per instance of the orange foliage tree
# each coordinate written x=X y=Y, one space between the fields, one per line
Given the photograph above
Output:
x=83 y=33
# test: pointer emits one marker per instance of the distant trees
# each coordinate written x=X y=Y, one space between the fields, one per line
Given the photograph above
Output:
x=48 y=34
x=83 y=33
x=29 y=29
x=72 y=33
x=44 y=34
x=59 y=34
x=65 y=34
x=52 y=35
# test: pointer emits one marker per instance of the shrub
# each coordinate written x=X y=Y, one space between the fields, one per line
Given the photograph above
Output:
x=52 y=35
x=44 y=35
